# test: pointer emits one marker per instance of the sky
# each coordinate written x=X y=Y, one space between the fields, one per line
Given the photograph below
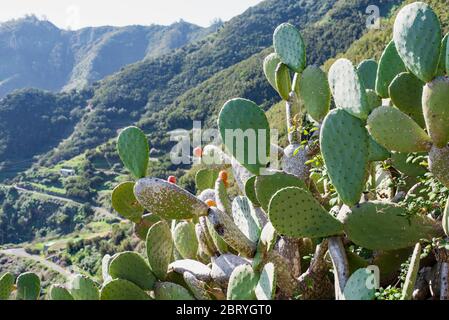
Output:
x=75 y=14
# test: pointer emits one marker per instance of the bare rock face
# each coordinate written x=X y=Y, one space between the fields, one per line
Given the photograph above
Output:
x=439 y=164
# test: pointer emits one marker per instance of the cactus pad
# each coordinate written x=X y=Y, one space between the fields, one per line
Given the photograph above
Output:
x=83 y=288
x=315 y=92
x=28 y=286
x=267 y=186
x=359 y=286
x=283 y=81
x=250 y=191
x=270 y=65
x=185 y=240
x=443 y=55
x=396 y=131
x=245 y=218
x=60 y=293
x=345 y=147
x=222 y=197
x=294 y=212
x=223 y=266
x=132 y=267
x=436 y=110
x=386 y=226
x=141 y=228
x=290 y=47
x=198 y=269
x=6 y=286
x=168 y=200
x=412 y=274
x=367 y=71
x=160 y=246
x=439 y=164
x=134 y=151
x=347 y=89
x=377 y=152
x=121 y=290
x=238 y=120
x=205 y=179
x=171 y=291
x=197 y=287
x=416 y=24
x=399 y=162
x=406 y=94
x=266 y=287
x=390 y=65
x=125 y=203
x=242 y=284
x=374 y=101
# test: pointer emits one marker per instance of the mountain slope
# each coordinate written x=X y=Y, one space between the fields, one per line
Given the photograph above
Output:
x=35 y=53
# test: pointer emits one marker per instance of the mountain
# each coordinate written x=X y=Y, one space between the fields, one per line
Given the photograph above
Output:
x=35 y=53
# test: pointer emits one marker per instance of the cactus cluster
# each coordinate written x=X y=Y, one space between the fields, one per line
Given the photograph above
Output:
x=210 y=246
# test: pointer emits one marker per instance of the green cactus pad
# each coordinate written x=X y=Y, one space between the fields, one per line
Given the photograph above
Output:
x=205 y=179
x=160 y=246
x=83 y=288
x=435 y=102
x=390 y=65
x=198 y=269
x=406 y=94
x=386 y=226
x=377 y=152
x=6 y=286
x=141 y=228
x=399 y=162
x=443 y=52
x=417 y=35
x=122 y=290
x=396 y=131
x=294 y=212
x=242 y=284
x=266 y=287
x=446 y=219
x=197 y=287
x=28 y=286
x=132 y=266
x=223 y=266
x=290 y=47
x=315 y=92
x=134 y=151
x=295 y=83
x=367 y=71
x=237 y=118
x=185 y=240
x=283 y=81
x=250 y=191
x=270 y=65
x=171 y=291
x=60 y=293
x=245 y=218
x=345 y=147
x=374 y=101
x=217 y=241
x=412 y=274
x=168 y=200
x=125 y=203
x=267 y=186
x=439 y=164
x=359 y=287
x=269 y=236
x=222 y=198
x=347 y=89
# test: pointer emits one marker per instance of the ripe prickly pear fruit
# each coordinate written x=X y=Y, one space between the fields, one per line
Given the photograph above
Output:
x=172 y=179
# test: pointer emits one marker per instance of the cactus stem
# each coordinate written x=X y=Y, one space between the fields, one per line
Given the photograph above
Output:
x=444 y=281
x=341 y=265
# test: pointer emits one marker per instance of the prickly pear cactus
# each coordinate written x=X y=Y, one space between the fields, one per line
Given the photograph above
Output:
x=171 y=291
x=6 y=286
x=60 y=293
x=290 y=47
x=266 y=286
x=244 y=216
x=185 y=240
x=295 y=213
x=345 y=148
x=367 y=71
x=28 y=286
x=205 y=178
x=159 y=249
x=250 y=191
x=417 y=23
x=283 y=81
x=446 y=219
x=390 y=65
x=132 y=266
x=439 y=164
x=270 y=65
x=134 y=151
x=242 y=284
x=315 y=92
x=84 y=288
x=125 y=203
x=120 y=290
x=359 y=286
x=412 y=274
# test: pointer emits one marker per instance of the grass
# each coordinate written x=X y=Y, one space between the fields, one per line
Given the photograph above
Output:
x=52 y=189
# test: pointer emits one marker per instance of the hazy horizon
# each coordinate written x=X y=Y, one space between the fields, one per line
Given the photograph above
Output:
x=77 y=14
